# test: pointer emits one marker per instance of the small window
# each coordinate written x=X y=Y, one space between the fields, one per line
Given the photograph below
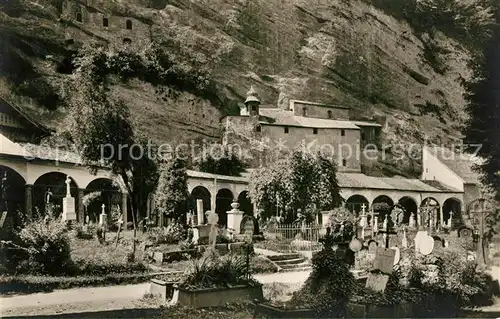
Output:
x=344 y=162
x=342 y=132
x=79 y=17
x=105 y=22
x=304 y=111
x=286 y=129
x=129 y=24
x=258 y=129
x=315 y=131
x=127 y=41
x=330 y=115
x=254 y=108
x=362 y=136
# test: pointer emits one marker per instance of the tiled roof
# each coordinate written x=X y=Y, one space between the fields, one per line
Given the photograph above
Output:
x=282 y=117
x=199 y=174
x=292 y=103
x=49 y=153
x=358 y=180
x=460 y=163
x=437 y=184
x=362 y=123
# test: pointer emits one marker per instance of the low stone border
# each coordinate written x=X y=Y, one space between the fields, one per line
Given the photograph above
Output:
x=31 y=284
x=216 y=297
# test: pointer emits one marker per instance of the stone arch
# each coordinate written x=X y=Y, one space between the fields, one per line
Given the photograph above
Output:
x=12 y=198
x=410 y=207
x=383 y=199
x=454 y=205
x=128 y=24
x=429 y=200
x=201 y=192
x=435 y=208
x=223 y=201
x=127 y=41
x=52 y=184
x=245 y=204
x=110 y=196
x=355 y=202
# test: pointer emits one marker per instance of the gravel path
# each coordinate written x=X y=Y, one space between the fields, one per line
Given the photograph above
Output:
x=103 y=298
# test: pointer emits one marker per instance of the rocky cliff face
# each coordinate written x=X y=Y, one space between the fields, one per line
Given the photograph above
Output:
x=332 y=51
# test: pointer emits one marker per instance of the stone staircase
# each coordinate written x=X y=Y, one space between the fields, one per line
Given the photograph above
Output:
x=290 y=262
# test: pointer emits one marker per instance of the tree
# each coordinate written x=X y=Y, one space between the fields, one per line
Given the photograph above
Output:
x=483 y=95
x=220 y=159
x=172 y=191
x=299 y=181
x=99 y=124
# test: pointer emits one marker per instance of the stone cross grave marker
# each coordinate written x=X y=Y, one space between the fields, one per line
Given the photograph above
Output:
x=68 y=189
x=103 y=218
x=212 y=218
x=384 y=260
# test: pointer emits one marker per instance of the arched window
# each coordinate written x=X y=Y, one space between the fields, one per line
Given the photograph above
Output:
x=105 y=22
x=330 y=115
x=129 y=24
x=79 y=17
x=304 y=111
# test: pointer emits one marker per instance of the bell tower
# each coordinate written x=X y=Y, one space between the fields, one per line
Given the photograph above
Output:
x=252 y=102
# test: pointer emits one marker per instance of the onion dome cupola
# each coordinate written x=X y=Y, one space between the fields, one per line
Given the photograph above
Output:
x=252 y=102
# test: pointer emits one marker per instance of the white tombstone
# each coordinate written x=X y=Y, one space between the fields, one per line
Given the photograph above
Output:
x=69 y=209
x=199 y=212
x=450 y=219
x=103 y=218
x=234 y=217
x=325 y=218
x=375 y=224
x=411 y=222
x=404 y=241
x=212 y=218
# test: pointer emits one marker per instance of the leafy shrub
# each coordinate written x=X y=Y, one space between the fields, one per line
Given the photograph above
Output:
x=261 y=264
x=441 y=285
x=46 y=243
x=84 y=231
x=328 y=288
x=173 y=234
x=219 y=240
x=213 y=270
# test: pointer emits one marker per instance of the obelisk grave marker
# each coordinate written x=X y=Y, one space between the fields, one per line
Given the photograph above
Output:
x=69 y=212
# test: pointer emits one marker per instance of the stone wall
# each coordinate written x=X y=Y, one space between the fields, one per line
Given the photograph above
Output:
x=100 y=22
x=319 y=110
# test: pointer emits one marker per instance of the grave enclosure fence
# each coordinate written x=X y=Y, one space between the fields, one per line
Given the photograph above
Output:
x=295 y=237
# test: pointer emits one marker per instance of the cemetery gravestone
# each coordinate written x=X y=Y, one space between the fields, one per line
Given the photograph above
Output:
x=213 y=218
x=372 y=247
x=355 y=245
x=384 y=260
x=426 y=245
x=248 y=226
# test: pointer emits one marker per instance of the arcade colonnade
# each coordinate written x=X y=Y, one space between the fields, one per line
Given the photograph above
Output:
x=30 y=181
x=217 y=192
x=446 y=203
